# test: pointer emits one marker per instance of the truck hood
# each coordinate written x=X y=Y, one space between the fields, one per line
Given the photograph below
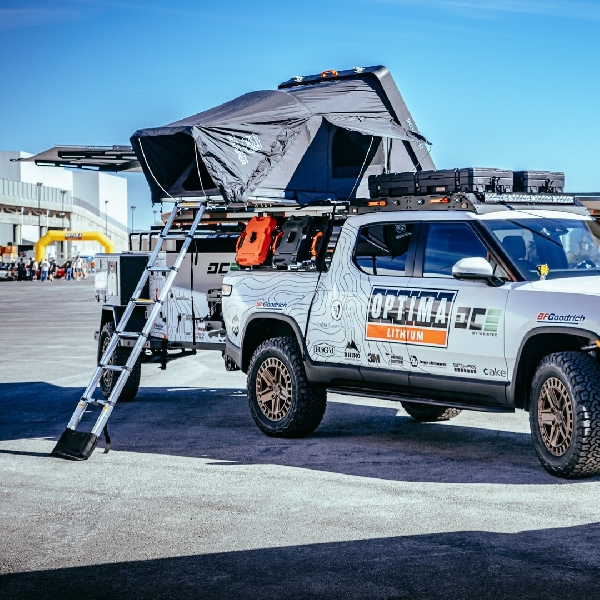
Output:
x=571 y=285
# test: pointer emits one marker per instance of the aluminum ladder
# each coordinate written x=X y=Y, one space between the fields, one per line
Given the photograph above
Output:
x=77 y=445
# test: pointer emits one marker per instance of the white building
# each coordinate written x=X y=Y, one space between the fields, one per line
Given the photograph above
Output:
x=34 y=199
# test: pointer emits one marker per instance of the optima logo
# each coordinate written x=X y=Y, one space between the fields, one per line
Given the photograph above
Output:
x=411 y=316
x=545 y=317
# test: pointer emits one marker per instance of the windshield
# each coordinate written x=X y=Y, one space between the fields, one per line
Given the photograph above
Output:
x=569 y=248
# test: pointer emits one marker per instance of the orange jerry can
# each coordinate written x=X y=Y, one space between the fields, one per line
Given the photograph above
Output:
x=254 y=243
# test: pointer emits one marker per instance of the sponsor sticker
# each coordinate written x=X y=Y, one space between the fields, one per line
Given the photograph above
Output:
x=479 y=321
x=271 y=305
x=323 y=349
x=411 y=316
x=336 y=310
x=548 y=317
x=235 y=325
x=462 y=368
x=374 y=358
x=352 y=351
x=494 y=372
x=394 y=359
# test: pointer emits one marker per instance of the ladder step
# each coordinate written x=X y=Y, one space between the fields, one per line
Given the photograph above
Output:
x=114 y=368
x=160 y=269
x=131 y=334
x=144 y=301
x=174 y=236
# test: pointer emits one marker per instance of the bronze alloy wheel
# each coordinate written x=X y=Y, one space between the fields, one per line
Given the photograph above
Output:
x=555 y=416
x=274 y=389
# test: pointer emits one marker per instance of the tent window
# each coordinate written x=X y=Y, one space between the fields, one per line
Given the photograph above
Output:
x=348 y=152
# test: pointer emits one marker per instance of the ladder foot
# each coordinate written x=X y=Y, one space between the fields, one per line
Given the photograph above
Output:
x=75 y=445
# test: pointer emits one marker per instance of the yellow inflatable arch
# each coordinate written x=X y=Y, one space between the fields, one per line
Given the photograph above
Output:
x=69 y=236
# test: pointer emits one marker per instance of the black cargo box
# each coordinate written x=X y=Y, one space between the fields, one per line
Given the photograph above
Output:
x=539 y=182
x=472 y=179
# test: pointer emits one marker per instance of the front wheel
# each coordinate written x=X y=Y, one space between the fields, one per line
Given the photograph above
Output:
x=119 y=357
x=282 y=401
x=564 y=414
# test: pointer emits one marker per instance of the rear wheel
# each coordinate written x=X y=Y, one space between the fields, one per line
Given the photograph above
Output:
x=427 y=413
x=282 y=401
x=564 y=414
x=119 y=357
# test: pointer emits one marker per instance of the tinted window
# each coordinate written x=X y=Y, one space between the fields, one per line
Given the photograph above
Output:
x=382 y=249
x=446 y=244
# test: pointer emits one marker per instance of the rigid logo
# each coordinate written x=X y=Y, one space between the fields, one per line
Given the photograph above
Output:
x=412 y=316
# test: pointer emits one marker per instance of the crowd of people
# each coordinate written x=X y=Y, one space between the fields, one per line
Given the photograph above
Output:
x=75 y=269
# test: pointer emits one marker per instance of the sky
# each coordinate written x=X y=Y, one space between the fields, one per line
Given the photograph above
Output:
x=493 y=83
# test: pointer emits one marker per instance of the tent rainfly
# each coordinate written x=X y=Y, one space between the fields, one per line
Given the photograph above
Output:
x=315 y=138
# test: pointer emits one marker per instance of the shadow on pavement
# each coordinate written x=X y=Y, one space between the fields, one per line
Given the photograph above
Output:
x=550 y=564
x=216 y=424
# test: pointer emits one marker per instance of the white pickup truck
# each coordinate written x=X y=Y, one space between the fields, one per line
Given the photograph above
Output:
x=486 y=302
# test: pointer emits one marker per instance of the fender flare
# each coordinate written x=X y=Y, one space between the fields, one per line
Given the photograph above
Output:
x=543 y=330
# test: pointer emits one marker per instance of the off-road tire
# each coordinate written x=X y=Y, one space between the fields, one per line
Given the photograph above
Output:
x=109 y=378
x=296 y=410
x=578 y=455
x=429 y=413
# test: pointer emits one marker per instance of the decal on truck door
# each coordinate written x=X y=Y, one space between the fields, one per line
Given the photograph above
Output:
x=410 y=316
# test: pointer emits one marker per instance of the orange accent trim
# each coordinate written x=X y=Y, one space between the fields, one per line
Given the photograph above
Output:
x=330 y=72
x=376 y=203
x=240 y=240
x=313 y=248
x=404 y=333
x=443 y=200
x=276 y=239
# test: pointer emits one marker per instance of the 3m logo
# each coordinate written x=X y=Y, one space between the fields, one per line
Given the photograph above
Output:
x=420 y=317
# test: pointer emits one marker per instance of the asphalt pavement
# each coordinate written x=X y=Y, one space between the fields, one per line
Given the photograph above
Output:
x=193 y=501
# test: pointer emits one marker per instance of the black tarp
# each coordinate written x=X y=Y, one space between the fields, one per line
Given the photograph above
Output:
x=287 y=143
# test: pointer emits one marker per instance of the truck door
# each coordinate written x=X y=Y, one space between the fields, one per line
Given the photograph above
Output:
x=385 y=252
x=460 y=324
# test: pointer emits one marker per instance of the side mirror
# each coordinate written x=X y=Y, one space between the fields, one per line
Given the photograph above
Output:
x=476 y=268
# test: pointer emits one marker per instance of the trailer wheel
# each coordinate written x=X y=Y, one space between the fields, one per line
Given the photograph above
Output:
x=428 y=413
x=282 y=401
x=119 y=357
x=564 y=414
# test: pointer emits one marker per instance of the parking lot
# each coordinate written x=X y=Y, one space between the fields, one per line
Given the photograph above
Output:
x=193 y=501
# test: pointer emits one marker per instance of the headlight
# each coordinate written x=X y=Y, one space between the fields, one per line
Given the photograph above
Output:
x=226 y=289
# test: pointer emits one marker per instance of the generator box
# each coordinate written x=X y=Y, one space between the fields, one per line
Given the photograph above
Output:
x=117 y=276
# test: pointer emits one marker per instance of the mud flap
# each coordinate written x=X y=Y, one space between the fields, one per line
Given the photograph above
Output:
x=75 y=445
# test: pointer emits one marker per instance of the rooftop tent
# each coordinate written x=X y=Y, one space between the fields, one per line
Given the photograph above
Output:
x=315 y=137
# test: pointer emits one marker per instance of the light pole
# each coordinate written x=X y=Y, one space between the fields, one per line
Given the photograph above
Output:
x=62 y=207
x=132 y=209
x=106 y=217
x=39 y=199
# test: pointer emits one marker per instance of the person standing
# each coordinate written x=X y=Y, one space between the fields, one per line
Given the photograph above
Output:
x=69 y=269
x=77 y=267
x=34 y=268
x=31 y=268
x=52 y=270
x=84 y=268
x=21 y=271
x=44 y=267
